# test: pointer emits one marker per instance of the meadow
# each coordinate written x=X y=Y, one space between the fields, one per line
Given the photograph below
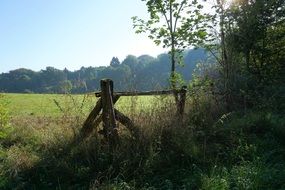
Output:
x=230 y=137
x=54 y=105
x=207 y=150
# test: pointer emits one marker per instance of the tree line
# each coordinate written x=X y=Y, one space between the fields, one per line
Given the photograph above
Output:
x=246 y=38
x=133 y=73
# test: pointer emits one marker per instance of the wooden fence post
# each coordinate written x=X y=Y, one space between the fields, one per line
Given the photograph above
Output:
x=182 y=100
x=108 y=114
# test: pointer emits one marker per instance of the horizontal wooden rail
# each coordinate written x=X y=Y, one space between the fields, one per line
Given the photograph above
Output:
x=110 y=116
x=146 y=93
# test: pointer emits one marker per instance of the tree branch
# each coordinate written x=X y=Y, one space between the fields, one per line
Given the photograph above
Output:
x=176 y=19
x=164 y=14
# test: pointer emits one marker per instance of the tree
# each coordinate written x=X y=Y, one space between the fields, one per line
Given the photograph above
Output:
x=115 y=62
x=260 y=33
x=65 y=87
x=132 y=62
x=139 y=73
x=250 y=47
x=224 y=48
x=176 y=24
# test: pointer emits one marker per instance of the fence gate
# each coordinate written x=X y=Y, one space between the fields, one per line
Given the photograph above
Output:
x=110 y=115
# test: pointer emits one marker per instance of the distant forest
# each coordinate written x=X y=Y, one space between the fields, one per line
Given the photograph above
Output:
x=133 y=73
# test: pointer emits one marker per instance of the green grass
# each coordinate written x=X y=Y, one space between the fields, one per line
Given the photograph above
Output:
x=236 y=150
x=22 y=105
x=44 y=104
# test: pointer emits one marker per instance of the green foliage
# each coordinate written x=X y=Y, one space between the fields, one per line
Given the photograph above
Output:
x=65 y=86
x=4 y=114
x=133 y=73
x=214 y=146
x=176 y=24
x=115 y=62
x=4 y=117
x=249 y=50
x=170 y=23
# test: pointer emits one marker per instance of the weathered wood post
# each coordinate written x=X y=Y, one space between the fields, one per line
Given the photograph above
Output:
x=92 y=120
x=182 y=100
x=108 y=113
x=106 y=101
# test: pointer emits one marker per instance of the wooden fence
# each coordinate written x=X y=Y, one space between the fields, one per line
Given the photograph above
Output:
x=110 y=115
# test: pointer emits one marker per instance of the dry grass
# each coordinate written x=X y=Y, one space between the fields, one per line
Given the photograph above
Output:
x=19 y=159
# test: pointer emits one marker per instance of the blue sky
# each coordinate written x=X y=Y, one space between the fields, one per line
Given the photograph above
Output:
x=69 y=33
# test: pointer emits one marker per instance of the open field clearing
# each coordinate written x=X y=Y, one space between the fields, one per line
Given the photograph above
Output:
x=209 y=150
x=53 y=105
x=208 y=118
x=46 y=104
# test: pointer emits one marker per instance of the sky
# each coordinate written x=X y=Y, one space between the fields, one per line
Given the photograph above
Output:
x=69 y=34
x=35 y=34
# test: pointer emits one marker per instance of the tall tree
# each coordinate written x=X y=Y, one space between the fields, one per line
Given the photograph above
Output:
x=176 y=24
x=250 y=45
x=115 y=62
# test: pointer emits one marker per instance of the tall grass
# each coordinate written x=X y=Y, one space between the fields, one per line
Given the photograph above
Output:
x=209 y=149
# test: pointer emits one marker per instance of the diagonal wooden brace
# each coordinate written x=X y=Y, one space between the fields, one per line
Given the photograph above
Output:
x=89 y=122
x=93 y=119
x=127 y=122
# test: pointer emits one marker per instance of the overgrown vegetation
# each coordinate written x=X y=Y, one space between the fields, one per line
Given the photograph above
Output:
x=210 y=150
x=231 y=137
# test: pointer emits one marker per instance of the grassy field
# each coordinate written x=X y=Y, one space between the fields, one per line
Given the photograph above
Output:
x=45 y=104
x=208 y=150
x=57 y=104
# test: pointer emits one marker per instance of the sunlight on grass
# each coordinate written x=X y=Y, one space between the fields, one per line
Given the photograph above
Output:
x=46 y=104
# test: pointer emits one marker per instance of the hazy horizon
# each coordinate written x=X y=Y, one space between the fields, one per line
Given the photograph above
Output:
x=79 y=67
x=70 y=34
